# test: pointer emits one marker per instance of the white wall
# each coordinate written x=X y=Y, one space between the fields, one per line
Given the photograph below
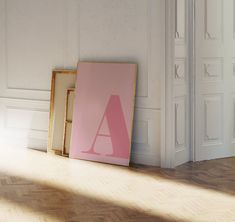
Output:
x=37 y=36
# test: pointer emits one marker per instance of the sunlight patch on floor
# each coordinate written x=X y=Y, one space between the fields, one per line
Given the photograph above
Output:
x=119 y=185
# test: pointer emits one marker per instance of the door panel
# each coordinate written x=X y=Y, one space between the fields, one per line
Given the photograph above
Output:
x=181 y=85
x=214 y=79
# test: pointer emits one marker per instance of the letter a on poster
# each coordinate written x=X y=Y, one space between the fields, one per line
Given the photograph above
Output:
x=103 y=115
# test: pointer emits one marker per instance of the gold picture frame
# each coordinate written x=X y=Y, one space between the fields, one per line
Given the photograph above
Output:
x=63 y=79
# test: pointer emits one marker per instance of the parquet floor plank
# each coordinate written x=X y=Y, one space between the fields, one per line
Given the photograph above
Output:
x=37 y=187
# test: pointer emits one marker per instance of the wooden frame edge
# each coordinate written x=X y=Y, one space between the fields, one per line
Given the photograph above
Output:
x=69 y=90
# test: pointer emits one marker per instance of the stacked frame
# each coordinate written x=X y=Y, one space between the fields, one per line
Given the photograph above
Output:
x=68 y=116
x=61 y=81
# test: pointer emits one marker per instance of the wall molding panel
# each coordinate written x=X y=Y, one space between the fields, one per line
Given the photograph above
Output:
x=180 y=123
x=143 y=26
x=213 y=119
x=233 y=19
x=22 y=55
x=233 y=117
x=213 y=19
x=179 y=72
x=24 y=120
x=146 y=137
x=213 y=69
x=180 y=23
x=233 y=68
x=31 y=120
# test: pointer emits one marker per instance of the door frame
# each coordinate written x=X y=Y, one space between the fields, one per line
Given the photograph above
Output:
x=167 y=101
x=192 y=77
x=167 y=125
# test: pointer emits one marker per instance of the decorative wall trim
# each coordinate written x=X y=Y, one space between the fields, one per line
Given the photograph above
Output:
x=179 y=72
x=213 y=119
x=70 y=54
x=180 y=123
x=14 y=125
x=140 y=132
x=213 y=19
x=233 y=68
x=149 y=97
x=212 y=69
x=7 y=87
x=233 y=19
x=180 y=21
x=29 y=111
x=147 y=135
x=233 y=116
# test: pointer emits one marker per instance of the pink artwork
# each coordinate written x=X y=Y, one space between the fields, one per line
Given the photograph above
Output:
x=103 y=112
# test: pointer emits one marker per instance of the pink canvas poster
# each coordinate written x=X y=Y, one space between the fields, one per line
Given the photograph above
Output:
x=103 y=112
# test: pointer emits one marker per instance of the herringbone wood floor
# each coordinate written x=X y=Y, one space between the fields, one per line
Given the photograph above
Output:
x=38 y=187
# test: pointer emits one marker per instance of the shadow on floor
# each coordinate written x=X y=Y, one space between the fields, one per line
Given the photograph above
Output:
x=218 y=175
x=66 y=206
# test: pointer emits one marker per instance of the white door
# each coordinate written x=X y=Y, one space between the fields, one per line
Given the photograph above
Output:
x=214 y=79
